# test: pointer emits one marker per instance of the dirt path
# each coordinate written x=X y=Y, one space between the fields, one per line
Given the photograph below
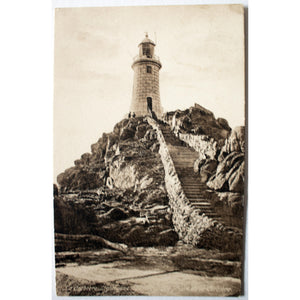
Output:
x=184 y=284
x=155 y=282
x=162 y=271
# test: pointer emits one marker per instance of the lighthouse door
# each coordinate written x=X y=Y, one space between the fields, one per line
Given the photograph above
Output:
x=149 y=104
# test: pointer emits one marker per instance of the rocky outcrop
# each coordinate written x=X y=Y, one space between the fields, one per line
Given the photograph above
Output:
x=230 y=173
x=116 y=155
x=205 y=168
x=234 y=143
x=199 y=121
x=121 y=182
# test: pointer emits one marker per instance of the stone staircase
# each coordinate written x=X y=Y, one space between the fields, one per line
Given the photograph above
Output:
x=200 y=197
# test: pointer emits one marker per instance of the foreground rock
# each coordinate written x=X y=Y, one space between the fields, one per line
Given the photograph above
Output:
x=67 y=242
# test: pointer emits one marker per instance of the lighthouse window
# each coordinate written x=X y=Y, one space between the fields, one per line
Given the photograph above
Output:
x=146 y=51
x=149 y=69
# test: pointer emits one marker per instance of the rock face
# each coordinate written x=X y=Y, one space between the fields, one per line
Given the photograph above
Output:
x=120 y=186
x=199 y=121
x=205 y=168
x=230 y=173
x=234 y=143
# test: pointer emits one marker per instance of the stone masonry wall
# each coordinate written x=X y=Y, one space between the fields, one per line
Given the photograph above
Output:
x=203 y=144
x=145 y=85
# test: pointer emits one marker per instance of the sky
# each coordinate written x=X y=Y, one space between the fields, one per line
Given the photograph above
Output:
x=201 y=49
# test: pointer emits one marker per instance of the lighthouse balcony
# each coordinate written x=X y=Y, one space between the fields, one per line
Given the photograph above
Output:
x=145 y=58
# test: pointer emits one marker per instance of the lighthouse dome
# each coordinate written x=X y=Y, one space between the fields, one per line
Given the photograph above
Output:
x=146 y=40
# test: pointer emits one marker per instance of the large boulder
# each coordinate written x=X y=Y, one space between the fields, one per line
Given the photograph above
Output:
x=234 y=143
x=198 y=120
x=229 y=174
x=199 y=162
x=224 y=123
x=236 y=179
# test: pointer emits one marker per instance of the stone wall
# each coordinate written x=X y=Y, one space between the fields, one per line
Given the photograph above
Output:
x=146 y=85
x=192 y=226
x=206 y=147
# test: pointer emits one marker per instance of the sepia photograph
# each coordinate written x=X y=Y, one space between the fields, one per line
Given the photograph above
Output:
x=150 y=148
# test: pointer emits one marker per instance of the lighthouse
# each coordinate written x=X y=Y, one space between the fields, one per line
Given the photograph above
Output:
x=145 y=95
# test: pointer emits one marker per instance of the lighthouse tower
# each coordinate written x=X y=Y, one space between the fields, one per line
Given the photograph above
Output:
x=145 y=96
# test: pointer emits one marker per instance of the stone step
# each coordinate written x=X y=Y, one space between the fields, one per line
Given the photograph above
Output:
x=196 y=186
x=200 y=197
x=184 y=154
x=206 y=208
x=189 y=185
x=192 y=187
x=189 y=177
x=188 y=165
x=200 y=200
x=193 y=191
x=191 y=180
x=194 y=196
x=209 y=207
x=203 y=208
x=211 y=215
x=181 y=159
x=197 y=193
x=183 y=163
